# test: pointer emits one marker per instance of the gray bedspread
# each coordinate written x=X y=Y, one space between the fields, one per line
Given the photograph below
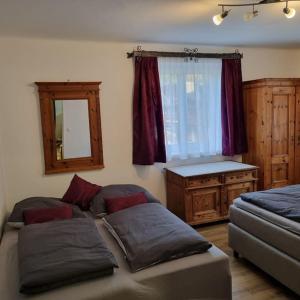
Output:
x=198 y=275
x=56 y=253
x=282 y=201
x=150 y=234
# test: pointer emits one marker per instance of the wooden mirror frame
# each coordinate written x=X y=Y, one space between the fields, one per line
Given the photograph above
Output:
x=48 y=93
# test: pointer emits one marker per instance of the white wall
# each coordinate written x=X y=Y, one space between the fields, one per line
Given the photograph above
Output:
x=2 y=193
x=24 y=61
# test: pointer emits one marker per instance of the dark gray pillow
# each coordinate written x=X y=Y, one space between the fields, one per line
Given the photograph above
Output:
x=150 y=234
x=16 y=217
x=98 y=207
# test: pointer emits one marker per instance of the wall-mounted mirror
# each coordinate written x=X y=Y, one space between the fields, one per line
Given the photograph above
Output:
x=72 y=129
x=70 y=114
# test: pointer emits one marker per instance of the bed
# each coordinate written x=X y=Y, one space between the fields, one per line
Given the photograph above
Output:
x=198 y=276
x=270 y=241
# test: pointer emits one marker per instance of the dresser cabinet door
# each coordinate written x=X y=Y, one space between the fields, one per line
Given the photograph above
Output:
x=203 y=205
x=233 y=191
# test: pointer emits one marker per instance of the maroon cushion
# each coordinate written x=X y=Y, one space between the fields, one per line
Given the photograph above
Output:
x=81 y=192
x=116 y=204
x=41 y=215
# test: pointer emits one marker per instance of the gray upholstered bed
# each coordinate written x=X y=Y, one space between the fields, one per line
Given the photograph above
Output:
x=193 y=277
x=268 y=240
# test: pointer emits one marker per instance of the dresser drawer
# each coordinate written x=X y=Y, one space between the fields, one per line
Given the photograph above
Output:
x=200 y=181
x=239 y=177
x=283 y=90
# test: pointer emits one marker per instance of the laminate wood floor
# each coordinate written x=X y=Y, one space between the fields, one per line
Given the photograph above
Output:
x=248 y=281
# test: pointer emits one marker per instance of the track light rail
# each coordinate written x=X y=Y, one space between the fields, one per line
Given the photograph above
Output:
x=263 y=2
x=288 y=12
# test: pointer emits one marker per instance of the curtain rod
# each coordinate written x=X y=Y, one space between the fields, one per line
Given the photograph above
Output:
x=186 y=53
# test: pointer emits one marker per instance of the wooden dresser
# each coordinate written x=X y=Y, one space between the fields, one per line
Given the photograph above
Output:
x=203 y=193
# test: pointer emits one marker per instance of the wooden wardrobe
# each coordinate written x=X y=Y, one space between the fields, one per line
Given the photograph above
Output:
x=272 y=113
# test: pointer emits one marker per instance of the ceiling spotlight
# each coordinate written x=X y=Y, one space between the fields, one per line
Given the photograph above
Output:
x=289 y=12
x=218 y=19
x=251 y=14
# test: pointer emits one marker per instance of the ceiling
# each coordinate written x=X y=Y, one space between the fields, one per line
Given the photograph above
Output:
x=162 y=21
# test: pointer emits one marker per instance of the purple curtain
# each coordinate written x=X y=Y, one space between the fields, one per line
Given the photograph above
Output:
x=234 y=139
x=148 y=126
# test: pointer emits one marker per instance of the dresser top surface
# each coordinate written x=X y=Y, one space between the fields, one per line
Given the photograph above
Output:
x=210 y=168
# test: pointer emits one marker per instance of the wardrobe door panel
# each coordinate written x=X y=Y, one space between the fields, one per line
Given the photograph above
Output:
x=282 y=138
x=297 y=137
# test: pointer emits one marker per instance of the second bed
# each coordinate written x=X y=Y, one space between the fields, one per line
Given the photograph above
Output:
x=268 y=240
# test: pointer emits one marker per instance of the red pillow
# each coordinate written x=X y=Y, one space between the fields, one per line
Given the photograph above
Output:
x=41 y=215
x=81 y=192
x=116 y=204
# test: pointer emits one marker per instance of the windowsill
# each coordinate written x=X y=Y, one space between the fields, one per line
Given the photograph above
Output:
x=198 y=160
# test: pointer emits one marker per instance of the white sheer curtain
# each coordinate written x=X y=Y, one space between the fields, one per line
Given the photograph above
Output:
x=191 y=97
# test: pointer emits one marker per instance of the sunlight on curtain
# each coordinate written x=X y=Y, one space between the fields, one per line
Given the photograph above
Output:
x=191 y=96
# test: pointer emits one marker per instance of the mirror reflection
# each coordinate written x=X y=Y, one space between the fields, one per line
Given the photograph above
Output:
x=72 y=129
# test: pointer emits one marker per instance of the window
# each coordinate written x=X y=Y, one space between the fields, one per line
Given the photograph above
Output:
x=191 y=98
